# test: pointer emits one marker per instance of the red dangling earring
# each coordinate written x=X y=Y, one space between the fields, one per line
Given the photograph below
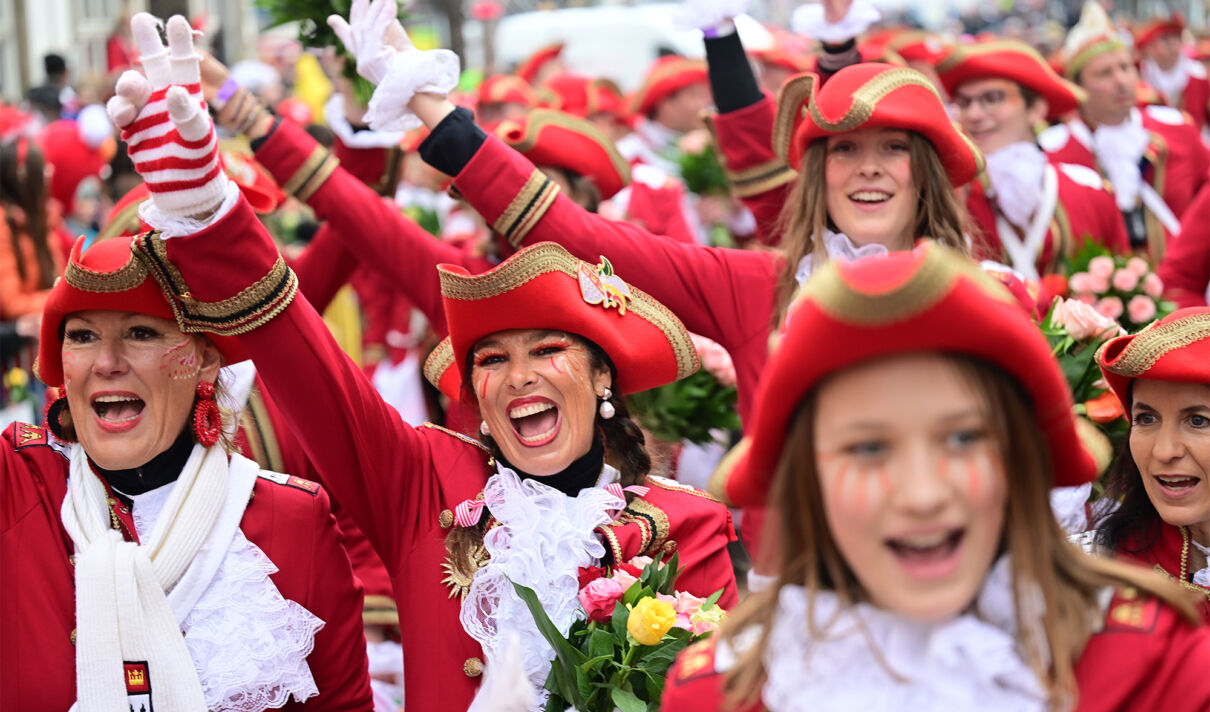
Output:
x=207 y=421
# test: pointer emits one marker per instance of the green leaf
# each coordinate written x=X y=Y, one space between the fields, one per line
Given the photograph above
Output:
x=712 y=601
x=567 y=657
x=627 y=701
x=621 y=614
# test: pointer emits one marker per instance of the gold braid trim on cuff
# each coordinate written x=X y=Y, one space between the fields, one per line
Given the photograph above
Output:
x=612 y=543
x=254 y=306
x=760 y=179
x=526 y=208
x=312 y=174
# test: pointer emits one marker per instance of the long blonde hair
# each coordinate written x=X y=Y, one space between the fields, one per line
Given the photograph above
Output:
x=1068 y=579
x=940 y=215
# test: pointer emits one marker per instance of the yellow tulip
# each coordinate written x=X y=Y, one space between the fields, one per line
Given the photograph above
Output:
x=16 y=378
x=649 y=620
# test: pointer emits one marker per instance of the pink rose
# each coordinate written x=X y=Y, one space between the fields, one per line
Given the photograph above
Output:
x=1111 y=307
x=1153 y=286
x=1088 y=299
x=1101 y=266
x=687 y=603
x=1138 y=266
x=1080 y=283
x=599 y=597
x=1125 y=281
x=1141 y=309
x=1098 y=284
x=1082 y=321
x=623 y=579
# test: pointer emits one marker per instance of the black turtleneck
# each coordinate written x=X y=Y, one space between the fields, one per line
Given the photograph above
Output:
x=156 y=472
x=580 y=474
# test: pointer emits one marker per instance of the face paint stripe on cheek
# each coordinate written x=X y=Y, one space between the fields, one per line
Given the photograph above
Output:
x=483 y=387
x=973 y=477
x=555 y=366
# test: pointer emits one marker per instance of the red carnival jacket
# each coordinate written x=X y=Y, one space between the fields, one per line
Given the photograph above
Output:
x=1145 y=657
x=290 y=522
x=1185 y=270
x=1168 y=553
x=399 y=483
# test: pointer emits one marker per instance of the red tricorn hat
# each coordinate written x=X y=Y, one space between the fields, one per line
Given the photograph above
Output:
x=913 y=45
x=529 y=69
x=1156 y=28
x=871 y=95
x=666 y=76
x=930 y=299
x=581 y=96
x=506 y=89
x=1175 y=348
x=108 y=275
x=552 y=138
x=545 y=287
x=1014 y=61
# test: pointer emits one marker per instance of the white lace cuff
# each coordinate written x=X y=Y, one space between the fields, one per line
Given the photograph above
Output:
x=709 y=15
x=334 y=114
x=809 y=20
x=433 y=71
x=172 y=225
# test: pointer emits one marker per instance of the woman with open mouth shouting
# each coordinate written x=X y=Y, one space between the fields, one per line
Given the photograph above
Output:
x=1162 y=377
x=146 y=565
x=907 y=462
x=543 y=345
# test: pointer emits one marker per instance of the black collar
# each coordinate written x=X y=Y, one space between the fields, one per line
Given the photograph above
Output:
x=156 y=472
x=580 y=474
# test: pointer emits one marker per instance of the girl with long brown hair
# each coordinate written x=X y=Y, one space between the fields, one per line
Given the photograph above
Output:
x=30 y=258
x=907 y=465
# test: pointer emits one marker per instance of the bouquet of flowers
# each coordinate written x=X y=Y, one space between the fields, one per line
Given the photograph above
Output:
x=691 y=408
x=1122 y=288
x=634 y=625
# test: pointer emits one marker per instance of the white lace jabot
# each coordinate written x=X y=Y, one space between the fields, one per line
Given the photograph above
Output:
x=543 y=538
x=248 y=643
x=971 y=662
x=838 y=246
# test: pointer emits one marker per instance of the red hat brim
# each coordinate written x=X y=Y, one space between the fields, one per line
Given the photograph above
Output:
x=1152 y=31
x=528 y=70
x=1016 y=62
x=107 y=276
x=552 y=138
x=871 y=95
x=545 y=287
x=506 y=89
x=1175 y=348
x=930 y=299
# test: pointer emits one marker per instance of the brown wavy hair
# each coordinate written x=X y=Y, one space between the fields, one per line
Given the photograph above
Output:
x=940 y=215
x=1068 y=579
x=23 y=185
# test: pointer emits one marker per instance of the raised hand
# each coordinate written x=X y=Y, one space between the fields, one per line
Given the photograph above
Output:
x=165 y=123
x=386 y=57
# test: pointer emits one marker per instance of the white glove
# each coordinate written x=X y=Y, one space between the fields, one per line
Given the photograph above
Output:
x=166 y=126
x=386 y=57
x=708 y=15
x=809 y=20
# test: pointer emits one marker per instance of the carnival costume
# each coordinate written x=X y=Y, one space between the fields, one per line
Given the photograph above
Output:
x=1175 y=348
x=935 y=301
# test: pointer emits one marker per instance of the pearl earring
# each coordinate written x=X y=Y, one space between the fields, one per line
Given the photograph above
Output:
x=607 y=410
x=483 y=429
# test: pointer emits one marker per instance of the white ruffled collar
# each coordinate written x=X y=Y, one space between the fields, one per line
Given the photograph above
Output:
x=1016 y=176
x=1170 y=83
x=542 y=540
x=248 y=643
x=838 y=246
x=1120 y=150
x=972 y=661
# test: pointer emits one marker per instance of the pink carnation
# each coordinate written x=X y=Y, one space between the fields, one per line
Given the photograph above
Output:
x=1101 y=266
x=1138 y=266
x=599 y=597
x=1153 y=286
x=1125 y=281
x=1111 y=307
x=1141 y=309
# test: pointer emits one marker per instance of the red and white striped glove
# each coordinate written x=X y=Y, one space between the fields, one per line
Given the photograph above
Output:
x=165 y=124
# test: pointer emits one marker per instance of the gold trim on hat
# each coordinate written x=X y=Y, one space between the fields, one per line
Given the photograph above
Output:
x=1153 y=343
x=1090 y=51
x=670 y=69
x=252 y=307
x=126 y=277
x=963 y=53
x=126 y=222
x=545 y=258
x=539 y=119
x=793 y=93
x=930 y=282
x=438 y=362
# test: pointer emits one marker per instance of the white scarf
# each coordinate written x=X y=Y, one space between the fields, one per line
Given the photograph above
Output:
x=193 y=572
x=544 y=537
x=1120 y=150
x=1016 y=173
x=1023 y=254
x=1170 y=83
x=838 y=246
x=970 y=662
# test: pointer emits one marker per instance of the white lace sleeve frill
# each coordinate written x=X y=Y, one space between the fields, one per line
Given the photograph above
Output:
x=434 y=71
x=543 y=538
